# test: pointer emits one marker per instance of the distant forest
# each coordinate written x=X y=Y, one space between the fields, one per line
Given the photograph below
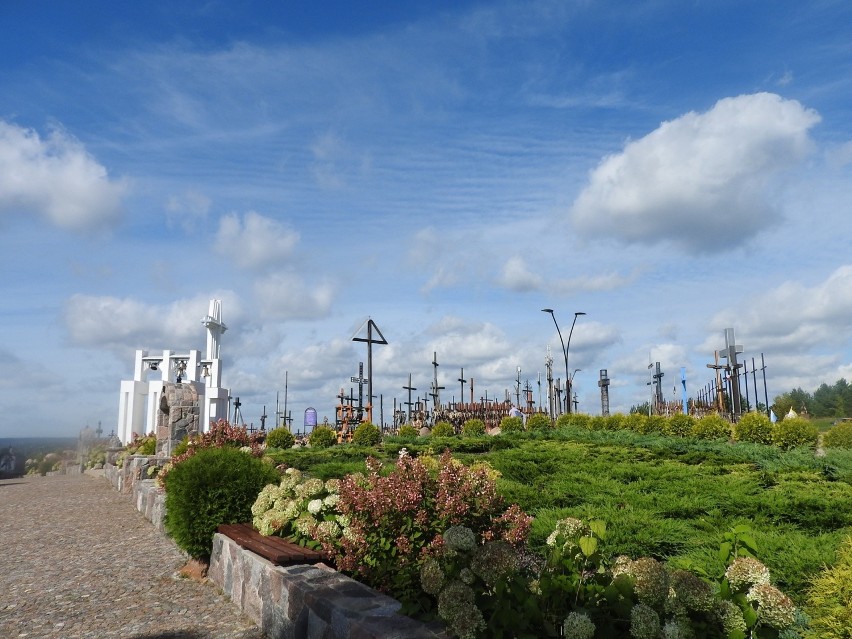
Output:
x=825 y=401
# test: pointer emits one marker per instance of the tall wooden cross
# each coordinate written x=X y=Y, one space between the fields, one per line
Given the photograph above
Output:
x=360 y=381
x=409 y=403
x=436 y=390
x=732 y=349
x=463 y=382
x=371 y=326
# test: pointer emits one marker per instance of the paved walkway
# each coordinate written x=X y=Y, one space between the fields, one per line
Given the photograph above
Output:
x=78 y=560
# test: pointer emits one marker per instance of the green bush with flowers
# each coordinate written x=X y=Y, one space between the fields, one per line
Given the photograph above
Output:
x=497 y=590
x=299 y=508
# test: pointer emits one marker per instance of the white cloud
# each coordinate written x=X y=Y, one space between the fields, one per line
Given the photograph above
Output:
x=603 y=282
x=516 y=276
x=287 y=296
x=255 y=241
x=794 y=318
x=699 y=181
x=124 y=324
x=56 y=178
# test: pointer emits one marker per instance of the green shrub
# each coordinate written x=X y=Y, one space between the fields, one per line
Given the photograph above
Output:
x=512 y=425
x=574 y=420
x=830 y=597
x=712 y=426
x=214 y=486
x=794 y=431
x=679 y=425
x=538 y=422
x=597 y=423
x=473 y=428
x=443 y=429
x=755 y=428
x=322 y=437
x=636 y=422
x=616 y=422
x=366 y=434
x=407 y=430
x=839 y=436
x=280 y=438
x=652 y=424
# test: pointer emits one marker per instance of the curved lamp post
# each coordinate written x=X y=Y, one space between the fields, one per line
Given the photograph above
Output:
x=565 y=352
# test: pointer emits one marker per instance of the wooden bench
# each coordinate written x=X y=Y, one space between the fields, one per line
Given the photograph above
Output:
x=275 y=549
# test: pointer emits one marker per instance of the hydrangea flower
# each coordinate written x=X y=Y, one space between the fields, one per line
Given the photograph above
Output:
x=745 y=572
x=774 y=607
x=331 y=500
x=494 y=561
x=578 y=625
x=459 y=538
x=652 y=581
x=457 y=607
x=731 y=617
x=327 y=531
x=431 y=576
x=644 y=622
x=690 y=591
x=621 y=566
x=569 y=529
x=671 y=630
x=315 y=506
x=332 y=485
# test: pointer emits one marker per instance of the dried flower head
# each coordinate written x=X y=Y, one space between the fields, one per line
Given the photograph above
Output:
x=731 y=617
x=651 y=581
x=775 y=609
x=578 y=625
x=745 y=572
x=459 y=538
x=431 y=576
x=644 y=622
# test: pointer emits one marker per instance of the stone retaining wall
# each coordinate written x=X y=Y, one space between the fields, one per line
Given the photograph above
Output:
x=308 y=602
x=296 y=602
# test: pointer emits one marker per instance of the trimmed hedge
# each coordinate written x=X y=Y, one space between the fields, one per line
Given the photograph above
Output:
x=443 y=429
x=839 y=436
x=214 y=486
x=280 y=438
x=322 y=437
x=366 y=434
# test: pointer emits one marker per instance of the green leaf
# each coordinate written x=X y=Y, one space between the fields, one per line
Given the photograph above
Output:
x=588 y=545
x=598 y=527
x=736 y=634
x=725 y=551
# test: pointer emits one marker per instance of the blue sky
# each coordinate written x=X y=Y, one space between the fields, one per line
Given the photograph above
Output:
x=446 y=169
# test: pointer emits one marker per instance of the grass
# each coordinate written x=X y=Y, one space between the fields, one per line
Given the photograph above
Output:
x=668 y=498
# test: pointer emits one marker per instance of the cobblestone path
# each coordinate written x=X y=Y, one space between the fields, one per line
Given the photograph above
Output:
x=78 y=560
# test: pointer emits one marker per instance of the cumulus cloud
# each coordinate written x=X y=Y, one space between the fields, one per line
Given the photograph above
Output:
x=700 y=181
x=287 y=296
x=794 y=318
x=516 y=276
x=127 y=324
x=55 y=178
x=255 y=241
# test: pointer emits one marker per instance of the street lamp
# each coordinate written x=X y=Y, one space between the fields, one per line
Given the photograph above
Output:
x=565 y=352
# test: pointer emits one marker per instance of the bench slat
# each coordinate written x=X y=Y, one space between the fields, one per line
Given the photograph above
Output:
x=275 y=549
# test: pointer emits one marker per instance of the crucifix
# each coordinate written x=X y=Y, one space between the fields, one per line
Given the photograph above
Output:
x=730 y=354
x=371 y=326
x=409 y=388
x=463 y=382
x=717 y=367
x=360 y=380
x=436 y=390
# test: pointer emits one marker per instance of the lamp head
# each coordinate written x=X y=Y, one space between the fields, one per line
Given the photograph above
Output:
x=547 y=310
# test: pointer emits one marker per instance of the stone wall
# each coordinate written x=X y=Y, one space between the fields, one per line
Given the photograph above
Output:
x=296 y=602
x=308 y=602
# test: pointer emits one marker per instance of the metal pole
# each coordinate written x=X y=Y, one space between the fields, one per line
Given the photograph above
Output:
x=765 y=392
x=567 y=346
